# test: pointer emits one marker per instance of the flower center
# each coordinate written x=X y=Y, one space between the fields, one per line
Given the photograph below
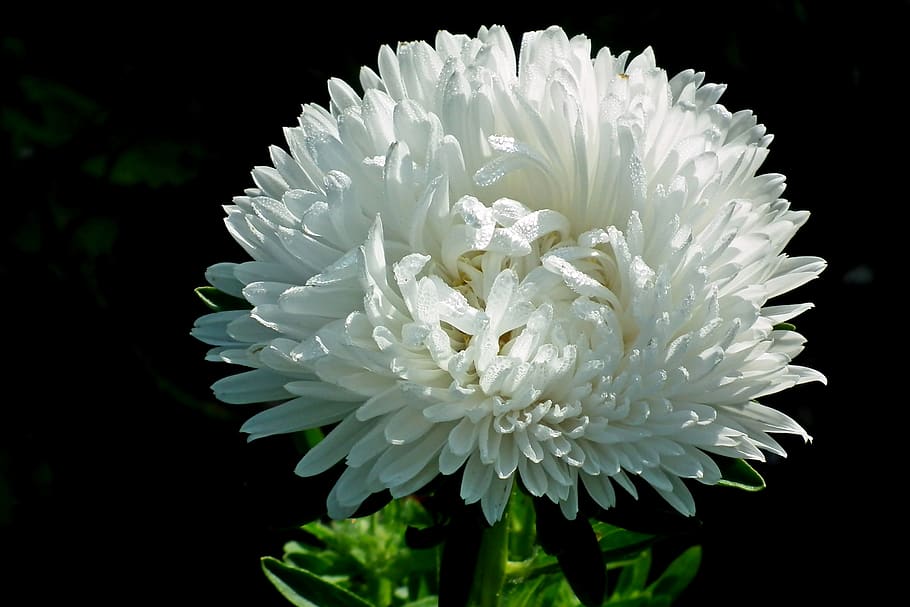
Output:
x=520 y=314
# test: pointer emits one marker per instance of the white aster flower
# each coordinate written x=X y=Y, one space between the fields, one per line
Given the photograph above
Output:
x=554 y=269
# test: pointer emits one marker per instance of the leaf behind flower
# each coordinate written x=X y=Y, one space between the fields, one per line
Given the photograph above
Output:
x=739 y=474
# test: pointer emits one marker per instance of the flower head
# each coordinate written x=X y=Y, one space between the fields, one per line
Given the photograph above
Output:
x=554 y=269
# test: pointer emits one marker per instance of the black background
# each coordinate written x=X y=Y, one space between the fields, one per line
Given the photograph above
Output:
x=123 y=482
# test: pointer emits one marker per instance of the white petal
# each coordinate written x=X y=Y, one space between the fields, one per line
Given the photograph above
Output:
x=212 y=328
x=333 y=448
x=348 y=493
x=319 y=390
x=248 y=329
x=533 y=477
x=221 y=276
x=507 y=462
x=254 y=271
x=294 y=415
x=270 y=181
x=324 y=301
x=475 y=480
x=793 y=273
x=234 y=356
x=406 y=426
x=679 y=497
x=449 y=462
x=463 y=438
x=600 y=489
x=768 y=419
x=496 y=498
x=400 y=464
x=260 y=385
x=261 y=293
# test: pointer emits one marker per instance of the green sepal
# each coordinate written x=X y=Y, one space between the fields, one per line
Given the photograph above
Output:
x=739 y=474
x=678 y=575
x=306 y=589
x=784 y=326
x=219 y=301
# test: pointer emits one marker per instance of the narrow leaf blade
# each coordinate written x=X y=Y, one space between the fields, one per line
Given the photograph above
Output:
x=305 y=589
x=633 y=577
x=617 y=543
x=678 y=574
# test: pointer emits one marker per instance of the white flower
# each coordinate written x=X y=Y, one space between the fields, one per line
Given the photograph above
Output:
x=555 y=270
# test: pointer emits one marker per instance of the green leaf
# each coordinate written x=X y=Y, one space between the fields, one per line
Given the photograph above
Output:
x=739 y=474
x=305 y=589
x=219 y=301
x=309 y=561
x=427 y=601
x=525 y=592
x=619 y=547
x=155 y=164
x=550 y=589
x=638 y=601
x=633 y=577
x=313 y=436
x=54 y=114
x=678 y=574
x=784 y=326
x=323 y=533
x=617 y=543
x=96 y=236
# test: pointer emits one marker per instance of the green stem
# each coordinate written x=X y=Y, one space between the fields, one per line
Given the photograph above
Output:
x=522 y=534
x=384 y=591
x=490 y=574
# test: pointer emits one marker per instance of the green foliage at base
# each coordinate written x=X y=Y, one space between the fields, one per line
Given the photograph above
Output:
x=358 y=563
x=372 y=562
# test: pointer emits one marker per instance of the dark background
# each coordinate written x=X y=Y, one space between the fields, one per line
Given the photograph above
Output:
x=123 y=482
